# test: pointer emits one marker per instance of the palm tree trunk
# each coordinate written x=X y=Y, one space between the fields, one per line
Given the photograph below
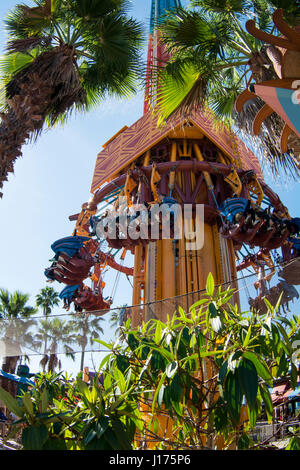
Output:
x=45 y=352
x=82 y=359
x=84 y=342
x=53 y=358
x=16 y=126
x=31 y=94
x=9 y=366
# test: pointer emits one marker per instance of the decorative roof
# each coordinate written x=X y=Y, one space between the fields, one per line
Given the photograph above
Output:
x=144 y=134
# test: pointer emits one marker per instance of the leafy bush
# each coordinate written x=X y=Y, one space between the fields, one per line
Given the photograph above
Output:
x=200 y=380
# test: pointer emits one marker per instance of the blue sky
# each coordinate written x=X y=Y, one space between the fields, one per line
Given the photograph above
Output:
x=51 y=182
x=53 y=179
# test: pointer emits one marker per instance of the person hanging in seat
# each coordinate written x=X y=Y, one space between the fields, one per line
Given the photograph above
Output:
x=235 y=209
x=68 y=295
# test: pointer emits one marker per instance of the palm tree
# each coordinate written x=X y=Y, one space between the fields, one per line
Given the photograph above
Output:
x=47 y=299
x=62 y=55
x=42 y=336
x=118 y=318
x=213 y=59
x=88 y=329
x=61 y=334
x=15 y=317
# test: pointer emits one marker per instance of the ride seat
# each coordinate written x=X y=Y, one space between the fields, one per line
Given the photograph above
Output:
x=233 y=206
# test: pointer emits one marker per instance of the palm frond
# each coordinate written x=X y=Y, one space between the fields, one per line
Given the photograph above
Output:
x=267 y=144
x=26 y=45
x=224 y=7
x=20 y=25
x=179 y=97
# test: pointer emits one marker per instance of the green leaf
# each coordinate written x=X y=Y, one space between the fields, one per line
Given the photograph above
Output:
x=285 y=337
x=122 y=362
x=133 y=343
x=244 y=442
x=200 y=338
x=82 y=386
x=261 y=366
x=294 y=443
x=55 y=444
x=269 y=306
x=198 y=303
x=89 y=397
x=223 y=371
x=107 y=442
x=104 y=361
x=294 y=376
x=248 y=379
x=253 y=413
x=275 y=340
x=34 y=437
x=164 y=352
x=93 y=395
x=181 y=313
x=160 y=384
x=213 y=310
x=155 y=423
x=215 y=319
x=176 y=389
x=157 y=361
x=28 y=404
x=109 y=346
x=220 y=416
x=247 y=338
x=283 y=365
x=119 y=431
x=158 y=333
x=278 y=302
x=266 y=396
x=233 y=395
x=234 y=360
x=44 y=400
x=89 y=435
x=101 y=425
x=210 y=285
x=121 y=380
x=11 y=403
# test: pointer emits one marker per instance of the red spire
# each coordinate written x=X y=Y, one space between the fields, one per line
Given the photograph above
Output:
x=157 y=55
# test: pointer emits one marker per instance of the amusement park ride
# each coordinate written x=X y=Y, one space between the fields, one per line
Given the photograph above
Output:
x=189 y=162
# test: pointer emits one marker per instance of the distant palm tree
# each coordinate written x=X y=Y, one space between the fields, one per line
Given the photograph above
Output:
x=47 y=299
x=16 y=321
x=118 y=317
x=62 y=55
x=88 y=329
x=60 y=335
x=42 y=337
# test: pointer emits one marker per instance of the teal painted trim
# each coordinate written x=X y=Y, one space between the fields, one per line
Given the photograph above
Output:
x=291 y=109
x=16 y=378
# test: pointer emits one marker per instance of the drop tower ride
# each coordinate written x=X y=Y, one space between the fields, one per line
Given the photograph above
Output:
x=191 y=163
